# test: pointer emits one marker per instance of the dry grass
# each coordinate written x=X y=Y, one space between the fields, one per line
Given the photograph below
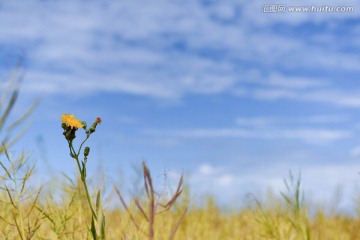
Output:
x=69 y=218
x=24 y=214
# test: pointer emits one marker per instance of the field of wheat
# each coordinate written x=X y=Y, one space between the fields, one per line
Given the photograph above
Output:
x=35 y=213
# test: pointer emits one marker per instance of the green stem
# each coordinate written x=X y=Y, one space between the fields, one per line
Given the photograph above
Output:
x=82 y=174
x=87 y=136
x=83 y=179
x=72 y=153
x=88 y=197
x=72 y=150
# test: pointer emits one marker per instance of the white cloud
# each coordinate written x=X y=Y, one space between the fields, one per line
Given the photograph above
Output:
x=201 y=132
x=329 y=118
x=124 y=119
x=315 y=182
x=254 y=122
x=346 y=98
x=132 y=49
x=283 y=121
x=206 y=169
x=322 y=187
x=312 y=135
x=350 y=98
x=273 y=94
x=226 y=180
x=308 y=135
x=208 y=179
x=287 y=82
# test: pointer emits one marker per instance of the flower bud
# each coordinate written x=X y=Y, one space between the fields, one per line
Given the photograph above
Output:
x=86 y=151
x=93 y=126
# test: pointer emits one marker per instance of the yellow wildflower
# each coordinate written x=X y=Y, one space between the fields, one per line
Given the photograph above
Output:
x=71 y=121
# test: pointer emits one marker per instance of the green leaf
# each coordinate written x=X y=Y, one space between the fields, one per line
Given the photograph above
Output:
x=103 y=227
x=93 y=229
x=98 y=202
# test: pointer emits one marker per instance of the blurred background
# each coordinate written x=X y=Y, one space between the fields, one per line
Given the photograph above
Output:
x=230 y=95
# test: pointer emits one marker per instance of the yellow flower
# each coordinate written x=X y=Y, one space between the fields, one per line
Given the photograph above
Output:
x=71 y=121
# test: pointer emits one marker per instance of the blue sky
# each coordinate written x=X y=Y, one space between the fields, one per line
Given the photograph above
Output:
x=229 y=95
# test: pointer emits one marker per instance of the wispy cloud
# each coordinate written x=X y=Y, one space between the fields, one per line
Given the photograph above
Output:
x=298 y=121
x=287 y=82
x=346 y=98
x=168 y=51
x=308 y=135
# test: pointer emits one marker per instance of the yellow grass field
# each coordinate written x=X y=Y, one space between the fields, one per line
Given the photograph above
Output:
x=44 y=213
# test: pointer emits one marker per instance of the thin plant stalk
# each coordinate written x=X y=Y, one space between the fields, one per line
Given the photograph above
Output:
x=71 y=125
x=83 y=177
